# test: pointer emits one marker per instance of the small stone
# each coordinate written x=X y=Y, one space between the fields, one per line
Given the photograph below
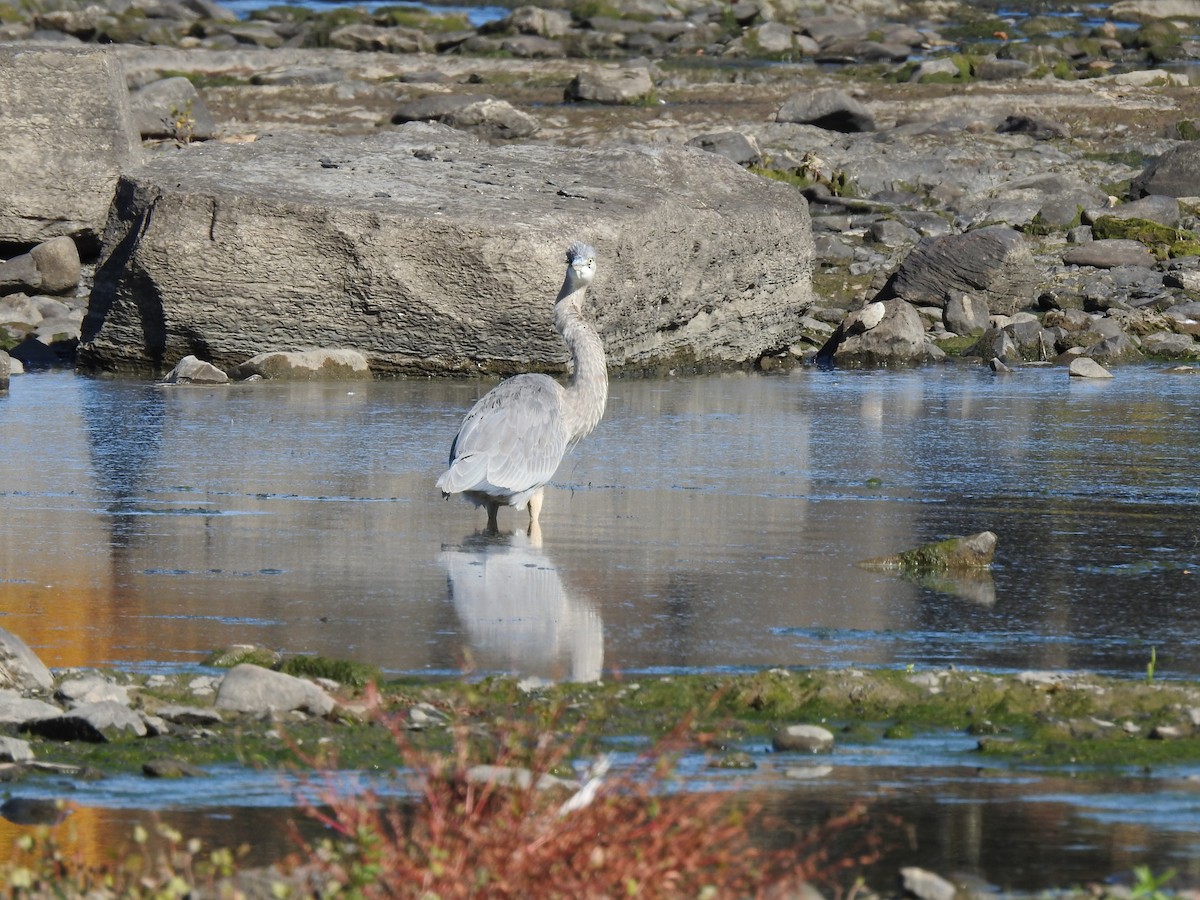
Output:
x=1166 y=733
x=806 y=738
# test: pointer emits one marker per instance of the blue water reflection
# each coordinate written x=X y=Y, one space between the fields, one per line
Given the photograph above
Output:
x=709 y=523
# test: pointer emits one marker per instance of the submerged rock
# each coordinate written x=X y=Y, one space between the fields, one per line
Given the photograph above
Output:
x=952 y=555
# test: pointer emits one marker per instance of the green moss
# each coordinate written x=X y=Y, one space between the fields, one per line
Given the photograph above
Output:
x=408 y=17
x=342 y=671
x=1162 y=240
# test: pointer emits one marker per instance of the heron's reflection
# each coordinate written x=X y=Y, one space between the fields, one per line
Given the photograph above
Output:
x=516 y=613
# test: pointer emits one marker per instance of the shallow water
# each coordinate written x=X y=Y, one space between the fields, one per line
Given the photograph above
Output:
x=710 y=523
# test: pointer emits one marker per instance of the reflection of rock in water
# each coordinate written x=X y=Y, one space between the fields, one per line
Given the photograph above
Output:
x=975 y=587
x=517 y=616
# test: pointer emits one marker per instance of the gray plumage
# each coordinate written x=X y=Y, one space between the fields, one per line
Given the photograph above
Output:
x=511 y=442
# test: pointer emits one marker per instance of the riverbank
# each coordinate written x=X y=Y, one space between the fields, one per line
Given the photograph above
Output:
x=791 y=729
x=1044 y=124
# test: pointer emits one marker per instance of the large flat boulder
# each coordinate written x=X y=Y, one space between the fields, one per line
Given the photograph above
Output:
x=430 y=251
x=66 y=133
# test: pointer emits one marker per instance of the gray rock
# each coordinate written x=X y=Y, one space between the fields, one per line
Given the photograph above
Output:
x=492 y=119
x=733 y=145
x=891 y=233
x=191 y=370
x=20 y=667
x=248 y=688
x=926 y=885
x=307 y=365
x=1085 y=367
x=5 y=370
x=15 y=708
x=891 y=335
x=94 y=723
x=171 y=108
x=1175 y=174
x=774 y=37
x=1171 y=345
x=1154 y=208
x=434 y=107
x=19 y=273
x=958 y=554
x=530 y=46
x=375 y=38
x=989 y=68
x=58 y=266
x=66 y=133
x=547 y=23
x=831 y=109
x=965 y=314
x=1109 y=253
x=15 y=750
x=429 y=251
x=803 y=738
x=91 y=689
x=993 y=263
x=619 y=86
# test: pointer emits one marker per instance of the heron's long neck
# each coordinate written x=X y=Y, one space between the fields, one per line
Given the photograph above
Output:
x=588 y=392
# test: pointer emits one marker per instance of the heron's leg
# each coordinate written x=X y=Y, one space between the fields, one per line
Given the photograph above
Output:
x=493 y=509
x=535 y=506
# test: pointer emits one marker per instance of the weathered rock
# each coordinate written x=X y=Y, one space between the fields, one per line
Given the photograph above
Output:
x=429 y=251
x=15 y=750
x=1175 y=174
x=993 y=263
x=733 y=145
x=478 y=114
x=20 y=667
x=884 y=333
x=172 y=108
x=5 y=370
x=830 y=109
x=307 y=365
x=1109 y=253
x=15 y=708
x=1169 y=345
x=58 y=266
x=1153 y=208
x=191 y=370
x=1086 y=367
x=95 y=723
x=803 y=738
x=376 y=38
x=622 y=85
x=248 y=688
x=952 y=555
x=547 y=23
x=965 y=314
x=93 y=689
x=66 y=133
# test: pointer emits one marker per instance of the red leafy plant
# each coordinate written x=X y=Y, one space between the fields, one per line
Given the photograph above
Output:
x=512 y=829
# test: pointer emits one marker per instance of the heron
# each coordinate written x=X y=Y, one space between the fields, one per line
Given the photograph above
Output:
x=513 y=439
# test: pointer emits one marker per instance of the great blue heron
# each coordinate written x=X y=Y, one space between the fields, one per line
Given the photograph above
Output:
x=513 y=439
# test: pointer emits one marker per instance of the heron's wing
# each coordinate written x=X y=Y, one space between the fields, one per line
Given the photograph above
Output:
x=512 y=440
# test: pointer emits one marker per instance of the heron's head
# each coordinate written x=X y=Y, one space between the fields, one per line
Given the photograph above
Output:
x=581 y=264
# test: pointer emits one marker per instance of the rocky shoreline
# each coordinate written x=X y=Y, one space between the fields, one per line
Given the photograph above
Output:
x=252 y=706
x=1001 y=190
